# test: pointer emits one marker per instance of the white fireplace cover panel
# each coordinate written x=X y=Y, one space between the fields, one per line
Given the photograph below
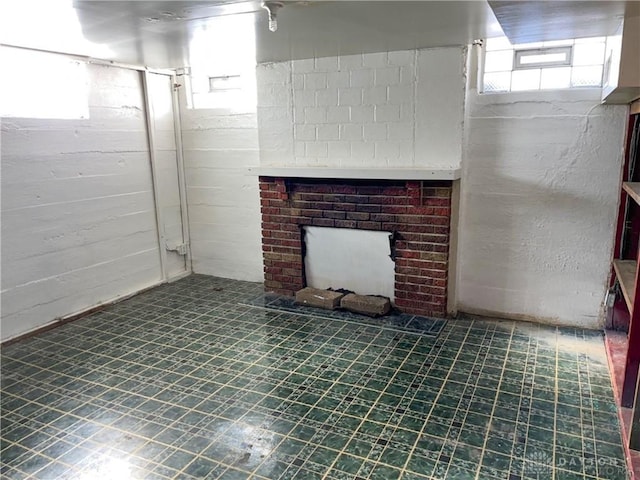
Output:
x=356 y=260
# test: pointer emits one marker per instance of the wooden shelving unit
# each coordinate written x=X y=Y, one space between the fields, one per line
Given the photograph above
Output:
x=634 y=435
x=626 y=275
x=626 y=272
x=633 y=189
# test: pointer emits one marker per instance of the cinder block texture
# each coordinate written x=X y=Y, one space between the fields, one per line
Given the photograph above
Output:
x=315 y=297
x=366 y=304
x=368 y=98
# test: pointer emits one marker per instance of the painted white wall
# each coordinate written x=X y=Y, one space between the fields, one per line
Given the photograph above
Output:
x=162 y=124
x=539 y=196
x=539 y=188
x=223 y=200
x=220 y=143
x=78 y=222
x=389 y=109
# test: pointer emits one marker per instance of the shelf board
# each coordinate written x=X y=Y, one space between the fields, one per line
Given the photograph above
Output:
x=358 y=173
x=626 y=274
x=633 y=189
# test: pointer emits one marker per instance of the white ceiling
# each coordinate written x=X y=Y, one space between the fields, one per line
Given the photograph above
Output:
x=534 y=21
x=162 y=34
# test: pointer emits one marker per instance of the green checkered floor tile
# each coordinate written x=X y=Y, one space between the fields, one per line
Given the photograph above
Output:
x=189 y=380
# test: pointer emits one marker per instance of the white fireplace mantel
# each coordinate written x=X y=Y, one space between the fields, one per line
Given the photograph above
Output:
x=358 y=173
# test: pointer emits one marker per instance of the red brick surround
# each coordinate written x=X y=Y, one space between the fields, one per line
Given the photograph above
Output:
x=419 y=212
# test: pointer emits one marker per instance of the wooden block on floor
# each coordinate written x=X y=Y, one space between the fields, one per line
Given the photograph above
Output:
x=366 y=304
x=315 y=297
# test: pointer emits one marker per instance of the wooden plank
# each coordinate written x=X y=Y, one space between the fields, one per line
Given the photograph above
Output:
x=634 y=437
x=633 y=189
x=634 y=108
x=626 y=274
x=632 y=364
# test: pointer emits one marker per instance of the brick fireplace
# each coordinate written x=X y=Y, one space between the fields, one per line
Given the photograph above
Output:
x=418 y=212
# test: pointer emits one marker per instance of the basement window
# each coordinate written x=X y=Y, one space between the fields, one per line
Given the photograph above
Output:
x=43 y=85
x=543 y=57
x=225 y=83
x=572 y=63
x=221 y=91
x=219 y=77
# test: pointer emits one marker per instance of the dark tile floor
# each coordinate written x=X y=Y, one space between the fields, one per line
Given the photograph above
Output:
x=190 y=381
x=394 y=320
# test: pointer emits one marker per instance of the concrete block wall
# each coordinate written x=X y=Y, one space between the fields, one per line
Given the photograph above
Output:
x=224 y=206
x=78 y=217
x=420 y=213
x=389 y=109
x=539 y=188
x=354 y=107
x=539 y=197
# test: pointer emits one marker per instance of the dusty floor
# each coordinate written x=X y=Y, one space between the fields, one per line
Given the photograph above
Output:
x=196 y=380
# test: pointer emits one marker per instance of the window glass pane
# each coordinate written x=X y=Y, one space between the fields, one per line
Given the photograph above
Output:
x=543 y=58
x=588 y=54
x=199 y=84
x=586 y=76
x=498 y=43
x=525 y=79
x=557 y=64
x=226 y=82
x=555 y=78
x=497 y=82
x=499 y=61
x=223 y=77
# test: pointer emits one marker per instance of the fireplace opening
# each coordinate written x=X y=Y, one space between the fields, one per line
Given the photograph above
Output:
x=356 y=260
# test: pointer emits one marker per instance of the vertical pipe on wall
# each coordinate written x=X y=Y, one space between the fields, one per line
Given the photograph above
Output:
x=182 y=184
x=154 y=174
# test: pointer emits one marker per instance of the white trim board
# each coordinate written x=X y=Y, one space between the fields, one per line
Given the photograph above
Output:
x=358 y=173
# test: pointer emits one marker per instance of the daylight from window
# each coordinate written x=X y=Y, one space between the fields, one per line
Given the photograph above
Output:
x=559 y=64
x=46 y=85
x=223 y=77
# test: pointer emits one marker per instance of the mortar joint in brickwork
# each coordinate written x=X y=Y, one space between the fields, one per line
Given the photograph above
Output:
x=417 y=210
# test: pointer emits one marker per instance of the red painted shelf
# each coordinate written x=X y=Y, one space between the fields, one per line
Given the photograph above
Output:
x=624 y=350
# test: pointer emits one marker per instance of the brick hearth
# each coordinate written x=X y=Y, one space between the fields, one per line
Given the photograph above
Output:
x=418 y=211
